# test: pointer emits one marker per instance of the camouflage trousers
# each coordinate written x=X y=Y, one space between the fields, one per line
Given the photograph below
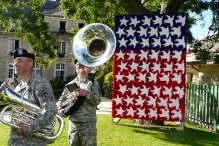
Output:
x=26 y=142
x=82 y=134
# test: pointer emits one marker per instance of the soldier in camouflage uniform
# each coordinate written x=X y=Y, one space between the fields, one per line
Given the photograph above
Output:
x=82 y=123
x=38 y=91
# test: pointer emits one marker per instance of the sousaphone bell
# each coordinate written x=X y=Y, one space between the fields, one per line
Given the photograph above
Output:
x=94 y=44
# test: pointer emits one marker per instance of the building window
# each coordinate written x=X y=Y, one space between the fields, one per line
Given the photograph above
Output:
x=62 y=28
x=60 y=71
x=80 y=24
x=62 y=49
x=10 y=70
x=14 y=44
x=37 y=69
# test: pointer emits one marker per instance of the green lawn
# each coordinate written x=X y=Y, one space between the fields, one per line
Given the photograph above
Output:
x=126 y=134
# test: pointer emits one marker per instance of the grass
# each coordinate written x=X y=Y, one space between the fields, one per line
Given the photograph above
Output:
x=127 y=134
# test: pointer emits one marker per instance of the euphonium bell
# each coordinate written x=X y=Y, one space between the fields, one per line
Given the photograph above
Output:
x=94 y=44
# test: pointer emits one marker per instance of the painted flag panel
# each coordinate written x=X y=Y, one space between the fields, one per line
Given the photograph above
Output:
x=149 y=67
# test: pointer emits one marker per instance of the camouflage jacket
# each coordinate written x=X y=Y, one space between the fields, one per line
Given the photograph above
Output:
x=38 y=91
x=87 y=111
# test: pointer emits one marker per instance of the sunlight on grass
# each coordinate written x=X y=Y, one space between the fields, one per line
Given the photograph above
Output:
x=125 y=133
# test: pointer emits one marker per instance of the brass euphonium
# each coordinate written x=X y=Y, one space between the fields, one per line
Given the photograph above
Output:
x=20 y=110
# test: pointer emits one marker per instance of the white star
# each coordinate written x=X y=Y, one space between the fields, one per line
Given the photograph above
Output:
x=122 y=66
x=120 y=55
x=164 y=113
x=122 y=88
x=143 y=54
x=165 y=77
x=145 y=42
x=152 y=77
x=181 y=20
x=176 y=114
x=147 y=21
x=123 y=21
x=120 y=32
x=177 y=55
x=165 y=55
x=156 y=91
x=158 y=20
x=153 y=32
x=167 y=91
x=177 y=78
x=140 y=101
x=144 y=90
x=179 y=91
x=134 y=90
x=180 y=42
x=120 y=111
x=157 y=42
x=168 y=42
x=131 y=55
x=133 y=42
x=118 y=100
x=169 y=20
x=141 y=112
x=154 y=55
x=134 y=21
x=142 y=32
x=163 y=102
x=180 y=67
x=130 y=77
x=119 y=77
x=130 y=112
x=176 y=31
x=129 y=101
x=156 y=67
x=142 y=77
x=122 y=42
x=144 y=66
x=169 y=67
x=134 y=66
x=130 y=31
x=152 y=113
x=164 y=32
x=151 y=101
x=174 y=103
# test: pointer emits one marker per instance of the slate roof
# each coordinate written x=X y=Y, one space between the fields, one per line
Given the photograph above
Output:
x=50 y=5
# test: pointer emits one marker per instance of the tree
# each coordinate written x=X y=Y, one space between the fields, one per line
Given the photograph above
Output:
x=25 y=19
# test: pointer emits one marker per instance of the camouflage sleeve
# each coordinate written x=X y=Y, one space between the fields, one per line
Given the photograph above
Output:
x=62 y=98
x=94 y=95
x=44 y=93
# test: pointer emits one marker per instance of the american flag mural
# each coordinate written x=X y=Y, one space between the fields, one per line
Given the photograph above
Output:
x=149 y=67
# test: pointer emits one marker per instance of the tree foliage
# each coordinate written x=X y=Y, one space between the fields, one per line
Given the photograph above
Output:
x=25 y=19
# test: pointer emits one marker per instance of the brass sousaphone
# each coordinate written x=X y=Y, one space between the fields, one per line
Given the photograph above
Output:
x=94 y=44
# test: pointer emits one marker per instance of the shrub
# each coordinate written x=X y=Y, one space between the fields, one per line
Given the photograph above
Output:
x=107 y=85
x=58 y=85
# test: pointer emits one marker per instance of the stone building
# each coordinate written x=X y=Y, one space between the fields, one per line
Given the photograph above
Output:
x=60 y=27
x=203 y=72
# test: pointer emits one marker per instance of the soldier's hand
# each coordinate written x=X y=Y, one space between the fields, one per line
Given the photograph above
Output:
x=81 y=92
x=21 y=129
x=61 y=112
